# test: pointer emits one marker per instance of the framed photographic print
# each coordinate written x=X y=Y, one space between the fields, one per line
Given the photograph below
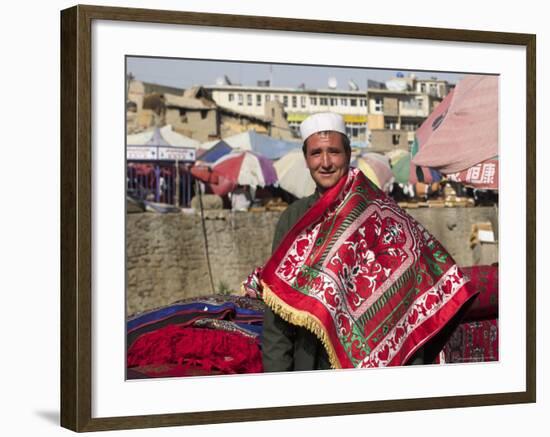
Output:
x=157 y=234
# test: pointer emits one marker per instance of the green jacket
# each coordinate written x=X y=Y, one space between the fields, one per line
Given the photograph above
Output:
x=285 y=346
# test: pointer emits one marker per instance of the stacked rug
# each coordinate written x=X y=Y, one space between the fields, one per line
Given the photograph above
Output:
x=201 y=336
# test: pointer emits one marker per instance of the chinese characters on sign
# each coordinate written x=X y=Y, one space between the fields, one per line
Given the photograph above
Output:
x=483 y=175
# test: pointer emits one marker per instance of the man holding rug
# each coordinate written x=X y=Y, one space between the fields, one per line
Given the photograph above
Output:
x=353 y=280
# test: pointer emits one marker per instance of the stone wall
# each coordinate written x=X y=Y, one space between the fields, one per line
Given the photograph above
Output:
x=453 y=227
x=166 y=254
x=166 y=258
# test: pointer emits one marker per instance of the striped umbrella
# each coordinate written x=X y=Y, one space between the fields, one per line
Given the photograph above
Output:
x=293 y=174
x=377 y=168
x=246 y=168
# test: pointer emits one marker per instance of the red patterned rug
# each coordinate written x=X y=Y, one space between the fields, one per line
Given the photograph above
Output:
x=364 y=276
x=473 y=342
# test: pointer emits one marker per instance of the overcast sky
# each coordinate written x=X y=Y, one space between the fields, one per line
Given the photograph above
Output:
x=183 y=73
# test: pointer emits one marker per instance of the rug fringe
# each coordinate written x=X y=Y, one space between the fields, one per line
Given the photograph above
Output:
x=300 y=318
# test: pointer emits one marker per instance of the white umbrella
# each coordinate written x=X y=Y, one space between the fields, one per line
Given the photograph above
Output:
x=164 y=136
x=294 y=175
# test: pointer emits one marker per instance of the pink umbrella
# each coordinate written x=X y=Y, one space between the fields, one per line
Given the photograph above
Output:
x=462 y=131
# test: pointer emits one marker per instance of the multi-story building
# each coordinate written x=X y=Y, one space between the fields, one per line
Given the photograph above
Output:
x=433 y=87
x=394 y=116
x=397 y=108
x=193 y=113
x=298 y=104
x=385 y=116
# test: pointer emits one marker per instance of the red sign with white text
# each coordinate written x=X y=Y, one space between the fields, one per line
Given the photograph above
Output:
x=483 y=175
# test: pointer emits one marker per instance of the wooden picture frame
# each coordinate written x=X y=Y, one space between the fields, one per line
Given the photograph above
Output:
x=76 y=217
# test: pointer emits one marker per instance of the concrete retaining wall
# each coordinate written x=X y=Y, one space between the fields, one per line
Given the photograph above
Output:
x=166 y=252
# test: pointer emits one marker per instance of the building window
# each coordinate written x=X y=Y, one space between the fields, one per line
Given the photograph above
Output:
x=241 y=99
x=422 y=87
x=313 y=101
x=395 y=139
x=294 y=101
x=249 y=99
x=355 y=130
x=353 y=102
x=363 y=102
x=378 y=104
x=303 y=101
x=295 y=128
x=231 y=97
x=277 y=97
x=344 y=101
x=323 y=101
x=258 y=100
x=285 y=101
x=333 y=101
x=204 y=113
x=267 y=98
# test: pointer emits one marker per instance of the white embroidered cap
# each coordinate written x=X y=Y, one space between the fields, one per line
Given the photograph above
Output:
x=324 y=121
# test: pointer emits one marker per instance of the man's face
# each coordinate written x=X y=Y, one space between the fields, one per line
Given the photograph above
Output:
x=326 y=158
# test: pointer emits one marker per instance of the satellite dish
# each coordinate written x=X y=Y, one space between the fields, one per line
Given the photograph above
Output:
x=223 y=80
x=352 y=85
x=332 y=83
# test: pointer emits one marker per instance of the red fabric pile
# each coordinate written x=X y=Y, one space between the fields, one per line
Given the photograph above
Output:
x=176 y=350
